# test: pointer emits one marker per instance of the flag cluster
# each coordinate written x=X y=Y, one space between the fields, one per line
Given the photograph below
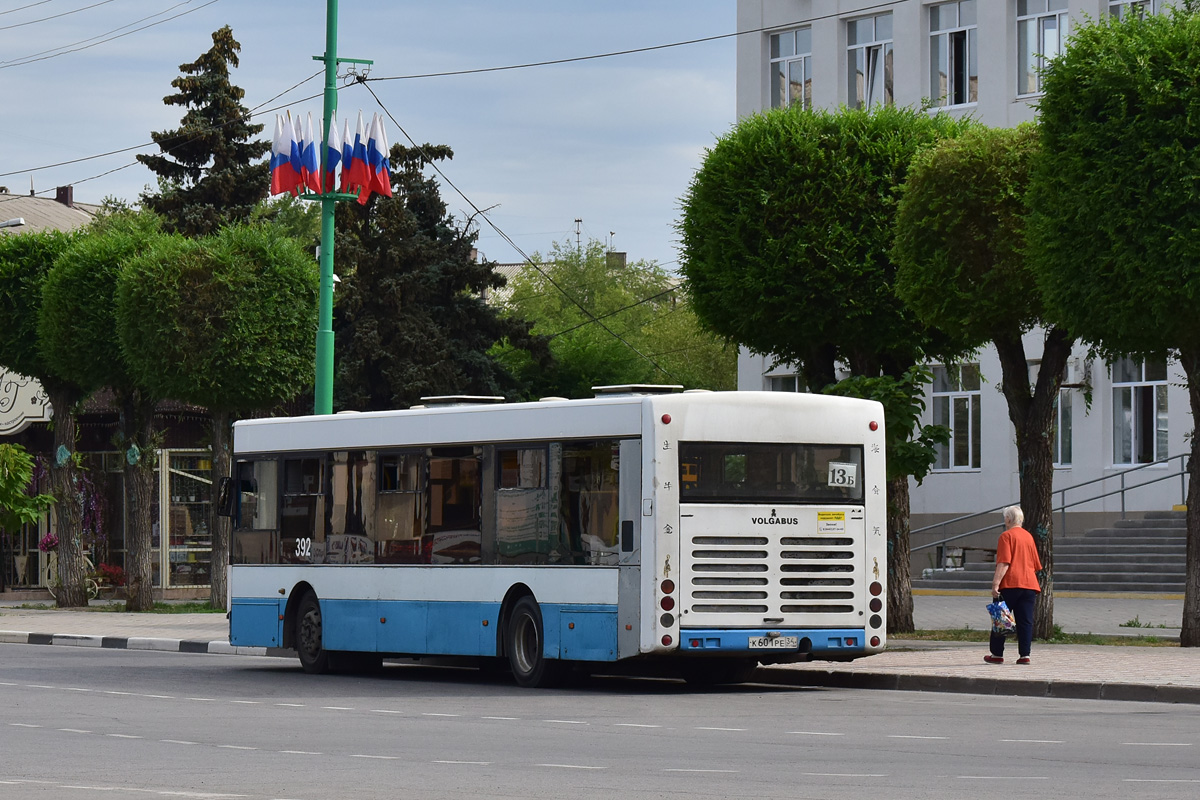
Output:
x=296 y=159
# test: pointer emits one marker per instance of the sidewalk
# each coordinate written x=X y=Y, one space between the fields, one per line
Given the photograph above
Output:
x=1155 y=674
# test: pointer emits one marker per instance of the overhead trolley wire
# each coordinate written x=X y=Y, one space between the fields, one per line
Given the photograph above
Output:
x=55 y=16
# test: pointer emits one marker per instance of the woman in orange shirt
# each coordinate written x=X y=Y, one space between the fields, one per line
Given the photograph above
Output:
x=1017 y=565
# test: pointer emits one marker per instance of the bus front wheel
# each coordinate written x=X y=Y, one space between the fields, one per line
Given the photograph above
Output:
x=308 y=636
x=524 y=645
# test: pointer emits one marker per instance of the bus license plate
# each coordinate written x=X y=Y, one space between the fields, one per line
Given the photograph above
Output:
x=774 y=643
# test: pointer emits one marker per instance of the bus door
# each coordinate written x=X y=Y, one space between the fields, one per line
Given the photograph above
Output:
x=630 y=547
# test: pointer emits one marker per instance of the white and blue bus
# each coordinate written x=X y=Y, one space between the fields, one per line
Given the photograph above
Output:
x=719 y=530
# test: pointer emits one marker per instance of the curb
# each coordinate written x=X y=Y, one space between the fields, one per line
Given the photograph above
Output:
x=142 y=643
x=1066 y=690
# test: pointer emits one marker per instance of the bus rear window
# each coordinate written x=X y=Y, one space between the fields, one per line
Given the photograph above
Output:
x=732 y=472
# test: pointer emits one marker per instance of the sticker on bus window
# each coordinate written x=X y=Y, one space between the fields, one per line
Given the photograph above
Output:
x=831 y=521
x=843 y=474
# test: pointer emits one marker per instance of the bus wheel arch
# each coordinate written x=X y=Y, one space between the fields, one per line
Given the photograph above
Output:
x=514 y=593
x=292 y=610
x=309 y=636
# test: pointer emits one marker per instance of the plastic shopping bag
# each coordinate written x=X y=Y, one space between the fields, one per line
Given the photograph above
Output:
x=1003 y=622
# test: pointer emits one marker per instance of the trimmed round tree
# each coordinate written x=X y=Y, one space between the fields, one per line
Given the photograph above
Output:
x=786 y=246
x=1114 y=231
x=226 y=322
x=25 y=261
x=960 y=247
x=78 y=329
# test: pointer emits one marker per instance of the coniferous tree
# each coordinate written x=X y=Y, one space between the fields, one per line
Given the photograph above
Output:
x=411 y=319
x=211 y=170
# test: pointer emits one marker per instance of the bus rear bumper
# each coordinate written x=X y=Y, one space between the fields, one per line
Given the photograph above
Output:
x=822 y=643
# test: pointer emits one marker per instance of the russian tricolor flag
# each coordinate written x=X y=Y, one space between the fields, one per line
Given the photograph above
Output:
x=310 y=166
x=283 y=177
x=379 y=171
x=333 y=153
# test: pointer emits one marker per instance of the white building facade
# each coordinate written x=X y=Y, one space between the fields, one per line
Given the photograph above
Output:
x=978 y=58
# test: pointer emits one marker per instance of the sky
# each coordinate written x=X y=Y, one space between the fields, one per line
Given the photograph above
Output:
x=612 y=141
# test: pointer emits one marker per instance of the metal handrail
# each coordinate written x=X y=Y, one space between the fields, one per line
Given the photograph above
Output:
x=1063 y=504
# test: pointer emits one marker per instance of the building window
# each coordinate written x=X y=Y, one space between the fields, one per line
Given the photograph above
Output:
x=1060 y=434
x=869 y=61
x=956 y=405
x=1041 y=32
x=953 y=63
x=791 y=69
x=1139 y=411
x=785 y=383
x=1122 y=8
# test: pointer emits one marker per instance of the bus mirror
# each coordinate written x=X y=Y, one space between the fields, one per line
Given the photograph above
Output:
x=225 y=497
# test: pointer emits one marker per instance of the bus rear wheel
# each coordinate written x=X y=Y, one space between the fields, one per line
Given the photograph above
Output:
x=524 y=644
x=309 y=636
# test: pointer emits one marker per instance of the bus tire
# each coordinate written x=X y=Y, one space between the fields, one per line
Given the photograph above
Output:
x=308 y=636
x=717 y=671
x=524 y=644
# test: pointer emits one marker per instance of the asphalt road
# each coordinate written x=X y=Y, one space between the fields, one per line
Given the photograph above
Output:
x=81 y=722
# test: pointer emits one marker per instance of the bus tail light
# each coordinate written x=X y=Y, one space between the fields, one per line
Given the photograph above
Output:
x=666 y=640
x=874 y=641
x=874 y=425
x=667 y=603
x=876 y=589
x=876 y=605
x=667 y=586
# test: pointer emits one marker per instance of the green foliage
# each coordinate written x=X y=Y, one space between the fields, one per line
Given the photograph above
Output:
x=639 y=302
x=25 y=261
x=1114 y=231
x=17 y=505
x=225 y=321
x=911 y=447
x=78 y=318
x=210 y=171
x=960 y=236
x=299 y=219
x=787 y=232
x=410 y=319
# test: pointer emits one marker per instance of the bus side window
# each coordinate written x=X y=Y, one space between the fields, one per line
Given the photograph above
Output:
x=302 y=516
x=589 y=502
x=255 y=489
x=522 y=506
x=455 y=499
x=400 y=509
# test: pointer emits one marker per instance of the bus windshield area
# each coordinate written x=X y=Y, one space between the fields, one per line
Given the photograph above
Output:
x=742 y=472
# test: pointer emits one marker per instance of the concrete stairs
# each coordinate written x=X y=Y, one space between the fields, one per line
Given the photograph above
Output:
x=1134 y=555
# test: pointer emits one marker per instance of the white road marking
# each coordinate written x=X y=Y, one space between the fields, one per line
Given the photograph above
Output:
x=508 y=719
x=175 y=741
x=23 y=725
x=566 y=721
x=719 y=729
x=385 y=711
x=381 y=758
x=291 y=705
x=1162 y=780
x=435 y=714
x=121 y=693
x=1001 y=778
x=903 y=736
x=75 y=689
x=633 y=725
x=203 y=699
x=815 y=733
x=301 y=753
x=123 y=736
x=1033 y=741
x=37 y=686
x=235 y=747
x=336 y=708
x=73 y=730
x=247 y=702
x=6 y=683
x=472 y=763
x=160 y=696
x=845 y=774
x=570 y=766
x=1157 y=744
x=701 y=770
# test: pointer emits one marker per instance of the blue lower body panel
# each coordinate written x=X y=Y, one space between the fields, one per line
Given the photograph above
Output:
x=572 y=632
x=821 y=642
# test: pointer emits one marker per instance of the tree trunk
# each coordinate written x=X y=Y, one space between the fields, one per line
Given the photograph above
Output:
x=138 y=429
x=1032 y=415
x=1189 y=635
x=219 y=525
x=68 y=506
x=899 y=577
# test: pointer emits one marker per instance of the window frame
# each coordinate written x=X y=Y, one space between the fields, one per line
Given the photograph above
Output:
x=882 y=47
x=966 y=68
x=1031 y=67
x=780 y=82
x=1118 y=8
x=1134 y=427
x=951 y=397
